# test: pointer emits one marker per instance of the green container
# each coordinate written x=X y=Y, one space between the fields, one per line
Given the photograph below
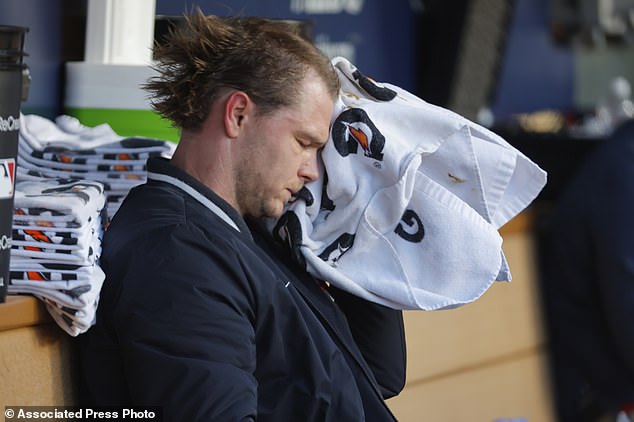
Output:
x=127 y=122
x=99 y=93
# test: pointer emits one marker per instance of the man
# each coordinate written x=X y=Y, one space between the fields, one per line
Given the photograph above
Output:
x=201 y=313
x=588 y=257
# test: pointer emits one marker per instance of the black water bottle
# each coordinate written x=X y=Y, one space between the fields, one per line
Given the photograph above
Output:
x=12 y=93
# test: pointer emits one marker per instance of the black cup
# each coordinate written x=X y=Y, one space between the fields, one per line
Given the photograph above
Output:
x=12 y=71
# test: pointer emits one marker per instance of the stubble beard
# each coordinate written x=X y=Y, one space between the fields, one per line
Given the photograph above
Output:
x=263 y=208
x=253 y=201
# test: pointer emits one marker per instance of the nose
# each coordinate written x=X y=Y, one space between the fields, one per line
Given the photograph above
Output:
x=309 y=171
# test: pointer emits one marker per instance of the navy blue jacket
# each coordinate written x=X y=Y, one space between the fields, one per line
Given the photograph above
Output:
x=202 y=315
x=589 y=277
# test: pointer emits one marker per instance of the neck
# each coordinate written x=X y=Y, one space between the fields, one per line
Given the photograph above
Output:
x=209 y=161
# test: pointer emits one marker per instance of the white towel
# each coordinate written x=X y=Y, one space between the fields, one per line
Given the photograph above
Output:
x=73 y=294
x=30 y=269
x=82 y=199
x=66 y=137
x=42 y=217
x=72 y=302
x=407 y=212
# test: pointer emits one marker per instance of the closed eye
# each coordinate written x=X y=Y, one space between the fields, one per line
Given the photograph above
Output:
x=309 y=140
x=307 y=145
x=304 y=143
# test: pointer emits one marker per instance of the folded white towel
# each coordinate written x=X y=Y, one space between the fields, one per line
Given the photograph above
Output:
x=407 y=212
x=72 y=304
x=82 y=199
x=66 y=132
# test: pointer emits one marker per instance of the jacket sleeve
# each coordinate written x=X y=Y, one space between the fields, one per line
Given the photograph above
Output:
x=184 y=321
x=380 y=335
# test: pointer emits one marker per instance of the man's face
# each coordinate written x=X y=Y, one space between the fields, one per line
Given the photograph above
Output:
x=281 y=153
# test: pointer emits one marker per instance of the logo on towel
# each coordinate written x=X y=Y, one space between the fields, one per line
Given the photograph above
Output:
x=415 y=232
x=73 y=189
x=326 y=203
x=377 y=92
x=353 y=128
x=288 y=230
x=304 y=194
x=7 y=177
x=335 y=250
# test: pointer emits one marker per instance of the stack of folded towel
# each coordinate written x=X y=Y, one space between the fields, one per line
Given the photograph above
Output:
x=57 y=231
x=65 y=148
x=71 y=179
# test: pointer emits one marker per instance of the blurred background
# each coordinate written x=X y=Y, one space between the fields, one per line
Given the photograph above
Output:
x=537 y=72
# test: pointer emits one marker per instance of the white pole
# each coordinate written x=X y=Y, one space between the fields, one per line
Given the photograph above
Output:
x=120 y=31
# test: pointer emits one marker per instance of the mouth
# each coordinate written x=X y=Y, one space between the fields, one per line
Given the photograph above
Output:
x=304 y=194
x=293 y=196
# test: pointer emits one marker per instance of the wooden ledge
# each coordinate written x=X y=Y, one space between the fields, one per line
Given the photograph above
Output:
x=523 y=222
x=22 y=311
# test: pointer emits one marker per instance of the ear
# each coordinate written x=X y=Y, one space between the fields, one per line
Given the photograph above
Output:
x=238 y=107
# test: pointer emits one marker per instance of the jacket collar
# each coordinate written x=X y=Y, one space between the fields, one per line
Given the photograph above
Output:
x=160 y=169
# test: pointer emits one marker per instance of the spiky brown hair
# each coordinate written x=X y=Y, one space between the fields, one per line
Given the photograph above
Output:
x=207 y=55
